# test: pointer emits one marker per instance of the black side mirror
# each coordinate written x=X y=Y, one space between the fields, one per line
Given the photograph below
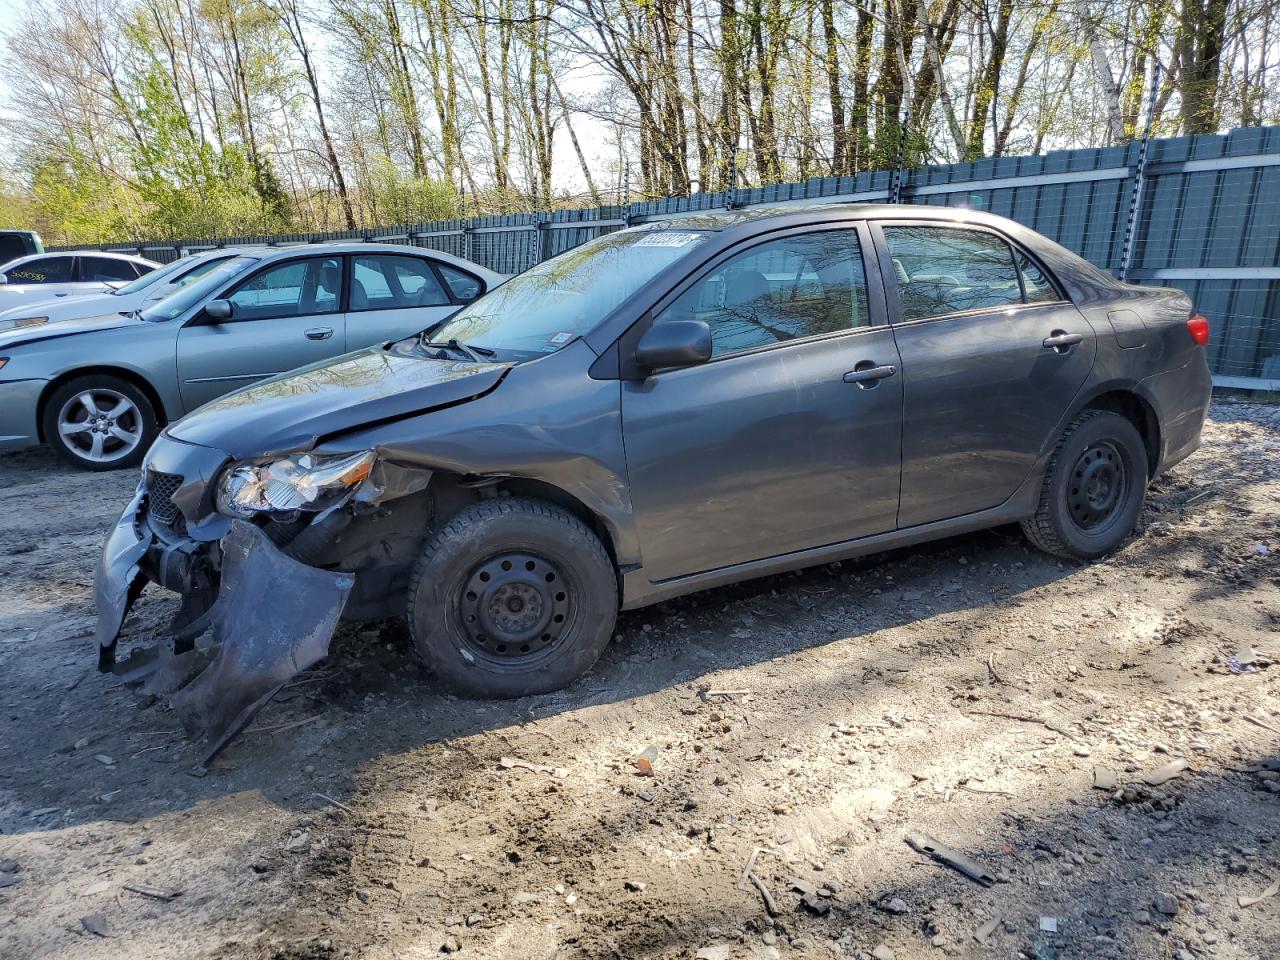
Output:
x=219 y=310
x=675 y=343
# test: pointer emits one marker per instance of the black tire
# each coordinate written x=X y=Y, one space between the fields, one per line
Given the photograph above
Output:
x=1093 y=488
x=77 y=449
x=483 y=627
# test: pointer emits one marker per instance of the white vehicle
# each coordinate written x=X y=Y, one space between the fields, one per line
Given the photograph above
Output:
x=45 y=275
x=135 y=295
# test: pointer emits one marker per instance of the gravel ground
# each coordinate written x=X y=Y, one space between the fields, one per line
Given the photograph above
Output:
x=972 y=691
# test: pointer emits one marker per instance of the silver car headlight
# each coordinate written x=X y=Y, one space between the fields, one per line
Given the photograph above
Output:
x=297 y=482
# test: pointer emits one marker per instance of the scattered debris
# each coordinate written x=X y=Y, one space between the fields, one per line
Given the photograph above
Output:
x=104 y=759
x=952 y=858
x=1048 y=924
x=1047 y=724
x=635 y=886
x=511 y=763
x=154 y=893
x=883 y=952
x=1172 y=769
x=893 y=905
x=1261 y=723
x=1104 y=779
x=724 y=693
x=991 y=668
x=298 y=844
x=720 y=951
x=96 y=924
x=102 y=886
x=339 y=804
x=770 y=905
x=986 y=929
x=1266 y=894
x=643 y=761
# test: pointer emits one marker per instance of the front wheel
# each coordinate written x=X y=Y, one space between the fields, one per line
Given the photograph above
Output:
x=512 y=597
x=99 y=422
x=1093 y=488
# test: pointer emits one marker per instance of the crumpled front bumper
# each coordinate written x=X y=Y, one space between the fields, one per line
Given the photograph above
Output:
x=272 y=618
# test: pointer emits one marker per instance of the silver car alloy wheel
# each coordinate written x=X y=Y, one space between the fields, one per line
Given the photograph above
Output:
x=100 y=425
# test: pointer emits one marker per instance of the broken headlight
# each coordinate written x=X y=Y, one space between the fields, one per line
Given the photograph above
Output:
x=302 y=481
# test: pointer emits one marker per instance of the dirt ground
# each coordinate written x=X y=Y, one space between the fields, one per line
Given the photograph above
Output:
x=970 y=691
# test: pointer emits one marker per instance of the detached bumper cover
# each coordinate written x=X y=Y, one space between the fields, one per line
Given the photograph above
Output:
x=273 y=618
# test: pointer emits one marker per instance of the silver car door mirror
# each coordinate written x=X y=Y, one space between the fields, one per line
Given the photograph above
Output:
x=219 y=310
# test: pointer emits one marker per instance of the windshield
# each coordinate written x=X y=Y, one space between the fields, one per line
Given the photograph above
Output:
x=184 y=298
x=547 y=306
x=167 y=271
x=147 y=279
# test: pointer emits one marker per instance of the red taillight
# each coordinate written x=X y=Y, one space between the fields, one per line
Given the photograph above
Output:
x=1199 y=327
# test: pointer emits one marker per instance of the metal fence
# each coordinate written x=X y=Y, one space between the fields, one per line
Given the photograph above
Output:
x=1207 y=219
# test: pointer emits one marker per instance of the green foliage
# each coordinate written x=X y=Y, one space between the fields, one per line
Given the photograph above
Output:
x=405 y=199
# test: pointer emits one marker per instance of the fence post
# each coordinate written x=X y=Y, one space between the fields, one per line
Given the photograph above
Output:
x=542 y=243
x=468 y=233
x=895 y=186
x=1139 y=179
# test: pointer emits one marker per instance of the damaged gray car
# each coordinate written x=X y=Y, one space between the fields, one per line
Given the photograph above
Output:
x=661 y=410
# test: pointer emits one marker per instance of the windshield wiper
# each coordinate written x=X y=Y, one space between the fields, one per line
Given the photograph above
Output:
x=476 y=354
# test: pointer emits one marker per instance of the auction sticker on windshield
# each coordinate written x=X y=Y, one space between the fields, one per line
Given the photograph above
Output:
x=667 y=238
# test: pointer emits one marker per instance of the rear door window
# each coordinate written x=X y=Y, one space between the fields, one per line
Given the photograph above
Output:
x=104 y=269
x=45 y=270
x=388 y=282
x=943 y=270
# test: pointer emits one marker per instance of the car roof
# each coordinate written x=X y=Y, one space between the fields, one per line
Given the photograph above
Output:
x=360 y=246
x=108 y=254
x=809 y=210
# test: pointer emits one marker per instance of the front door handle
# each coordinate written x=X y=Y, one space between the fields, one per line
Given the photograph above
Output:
x=319 y=333
x=867 y=374
x=1061 y=341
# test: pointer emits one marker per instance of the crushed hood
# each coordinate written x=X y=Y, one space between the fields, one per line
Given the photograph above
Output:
x=293 y=411
x=12 y=337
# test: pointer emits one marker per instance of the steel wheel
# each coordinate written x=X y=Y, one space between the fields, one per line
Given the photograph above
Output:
x=1097 y=486
x=101 y=425
x=514 y=606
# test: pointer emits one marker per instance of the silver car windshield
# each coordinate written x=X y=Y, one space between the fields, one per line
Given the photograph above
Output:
x=545 y=307
x=184 y=298
x=155 y=276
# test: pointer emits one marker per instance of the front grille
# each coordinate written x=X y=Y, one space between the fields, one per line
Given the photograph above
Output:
x=160 y=490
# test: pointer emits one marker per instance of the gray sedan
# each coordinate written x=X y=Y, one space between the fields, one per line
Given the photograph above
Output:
x=660 y=410
x=98 y=389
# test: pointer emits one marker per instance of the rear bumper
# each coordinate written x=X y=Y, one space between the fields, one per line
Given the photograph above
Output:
x=19 y=406
x=1181 y=400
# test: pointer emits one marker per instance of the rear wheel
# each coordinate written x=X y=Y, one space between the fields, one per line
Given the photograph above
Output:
x=1093 y=488
x=99 y=422
x=512 y=597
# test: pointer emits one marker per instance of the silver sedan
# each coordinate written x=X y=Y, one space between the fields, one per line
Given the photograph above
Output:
x=135 y=295
x=98 y=389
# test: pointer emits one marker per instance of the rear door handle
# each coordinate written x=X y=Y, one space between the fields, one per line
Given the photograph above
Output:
x=867 y=374
x=1061 y=341
x=319 y=333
